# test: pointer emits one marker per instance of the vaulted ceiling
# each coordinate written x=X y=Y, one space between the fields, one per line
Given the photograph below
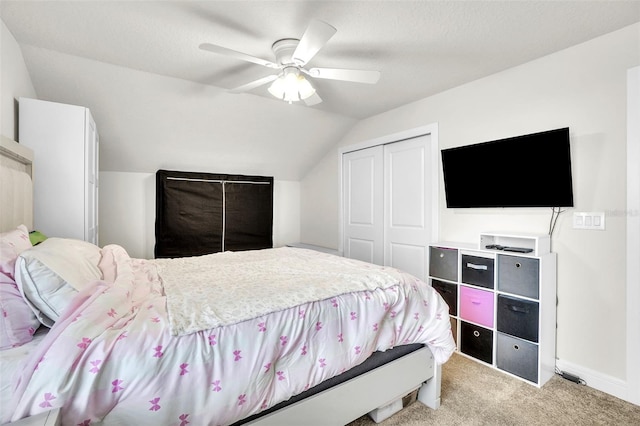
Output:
x=80 y=52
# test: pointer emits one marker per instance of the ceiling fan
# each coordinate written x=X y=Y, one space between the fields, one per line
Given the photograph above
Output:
x=289 y=83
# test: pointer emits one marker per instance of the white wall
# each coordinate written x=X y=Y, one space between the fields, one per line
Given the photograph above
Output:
x=14 y=83
x=584 y=88
x=286 y=212
x=319 y=201
x=633 y=233
x=128 y=211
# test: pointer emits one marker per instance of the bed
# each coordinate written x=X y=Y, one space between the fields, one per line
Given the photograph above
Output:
x=139 y=341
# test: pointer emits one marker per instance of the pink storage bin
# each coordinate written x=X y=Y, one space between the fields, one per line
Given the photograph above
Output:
x=476 y=306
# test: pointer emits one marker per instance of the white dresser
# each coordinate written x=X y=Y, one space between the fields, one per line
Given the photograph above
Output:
x=64 y=139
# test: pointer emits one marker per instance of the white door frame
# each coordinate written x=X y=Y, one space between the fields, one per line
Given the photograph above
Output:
x=633 y=235
x=429 y=129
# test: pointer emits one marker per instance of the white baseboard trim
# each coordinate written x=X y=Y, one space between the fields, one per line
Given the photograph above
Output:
x=602 y=382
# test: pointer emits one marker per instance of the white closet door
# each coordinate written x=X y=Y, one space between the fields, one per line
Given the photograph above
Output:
x=407 y=209
x=363 y=205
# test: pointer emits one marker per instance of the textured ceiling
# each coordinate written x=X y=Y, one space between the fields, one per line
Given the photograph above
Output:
x=420 y=47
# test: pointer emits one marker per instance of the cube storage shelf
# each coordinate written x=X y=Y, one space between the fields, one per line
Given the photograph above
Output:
x=502 y=304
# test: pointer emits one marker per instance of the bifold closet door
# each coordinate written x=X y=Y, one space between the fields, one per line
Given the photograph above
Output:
x=407 y=215
x=387 y=212
x=363 y=192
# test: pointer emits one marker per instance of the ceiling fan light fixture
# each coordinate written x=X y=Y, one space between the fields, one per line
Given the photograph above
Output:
x=277 y=88
x=291 y=57
x=291 y=86
x=305 y=88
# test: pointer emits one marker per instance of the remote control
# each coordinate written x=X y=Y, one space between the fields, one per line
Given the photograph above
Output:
x=495 y=247
x=518 y=249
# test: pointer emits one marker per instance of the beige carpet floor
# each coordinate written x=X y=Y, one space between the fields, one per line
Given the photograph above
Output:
x=474 y=394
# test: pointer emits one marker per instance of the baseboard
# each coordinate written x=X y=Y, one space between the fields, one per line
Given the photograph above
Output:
x=602 y=382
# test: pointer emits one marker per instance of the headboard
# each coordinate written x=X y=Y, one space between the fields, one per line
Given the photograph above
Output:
x=16 y=188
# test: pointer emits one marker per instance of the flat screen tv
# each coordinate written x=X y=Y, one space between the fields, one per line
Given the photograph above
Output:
x=525 y=171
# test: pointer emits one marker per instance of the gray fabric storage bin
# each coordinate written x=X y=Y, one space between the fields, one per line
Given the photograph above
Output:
x=477 y=271
x=519 y=275
x=443 y=263
x=517 y=356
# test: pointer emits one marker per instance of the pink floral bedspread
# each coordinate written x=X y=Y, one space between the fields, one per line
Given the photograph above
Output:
x=111 y=358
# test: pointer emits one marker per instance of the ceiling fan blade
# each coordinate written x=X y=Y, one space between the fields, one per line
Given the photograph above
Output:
x=238 y=55
x=314 y=38
x=356 y=76
x=252 y=85
x=313 y=100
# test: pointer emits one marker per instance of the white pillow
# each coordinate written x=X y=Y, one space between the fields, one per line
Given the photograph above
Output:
x=50 y=274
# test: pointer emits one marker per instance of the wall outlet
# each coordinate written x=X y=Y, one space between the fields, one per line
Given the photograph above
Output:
x=588 y=220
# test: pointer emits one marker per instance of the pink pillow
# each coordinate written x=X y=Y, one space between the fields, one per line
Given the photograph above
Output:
x=17 y=320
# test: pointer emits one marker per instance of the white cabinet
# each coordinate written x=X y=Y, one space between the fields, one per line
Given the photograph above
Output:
x=502 y=303
x=64 y=140
x=387 y=209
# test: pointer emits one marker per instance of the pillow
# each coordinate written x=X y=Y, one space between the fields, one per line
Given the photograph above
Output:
x=12 y=243
x=50 y=274
x=36 y=237
x=17 y=321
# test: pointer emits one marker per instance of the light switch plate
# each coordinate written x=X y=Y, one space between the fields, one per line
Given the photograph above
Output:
x=588 y=220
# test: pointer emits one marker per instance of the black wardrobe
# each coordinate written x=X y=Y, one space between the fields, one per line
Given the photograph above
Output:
x=202 y=213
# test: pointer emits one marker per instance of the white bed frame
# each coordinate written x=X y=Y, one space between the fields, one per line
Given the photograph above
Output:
x=378 y=392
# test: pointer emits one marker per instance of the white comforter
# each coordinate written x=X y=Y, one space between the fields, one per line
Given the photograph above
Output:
x=226 y=288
